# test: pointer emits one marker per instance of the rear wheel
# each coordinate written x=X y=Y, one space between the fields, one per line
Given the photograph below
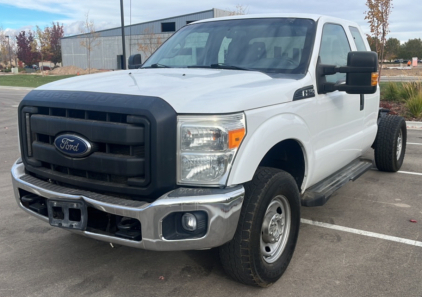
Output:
x=267 y=232
x=390 y=143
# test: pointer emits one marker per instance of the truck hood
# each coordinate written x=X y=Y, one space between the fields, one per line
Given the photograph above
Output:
x=190 y=90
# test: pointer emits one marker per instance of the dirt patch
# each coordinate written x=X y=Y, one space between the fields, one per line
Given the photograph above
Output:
x=415 y=71
x=72 y=70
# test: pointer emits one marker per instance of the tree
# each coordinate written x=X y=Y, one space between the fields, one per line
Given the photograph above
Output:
x=411 y=48
x=377 y=15
x=7 y=47
x=239 y=10
x=4 y=58
x=392 y=48
x=373 y=43
x=43 y=37
x=90 y=39
x=56 y=33
x=25 y=48
x=150 y=43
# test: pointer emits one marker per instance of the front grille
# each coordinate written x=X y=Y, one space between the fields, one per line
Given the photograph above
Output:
x=133 y=139
x=120 y=159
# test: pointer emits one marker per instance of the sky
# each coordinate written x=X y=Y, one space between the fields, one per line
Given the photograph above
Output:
x=18 y=15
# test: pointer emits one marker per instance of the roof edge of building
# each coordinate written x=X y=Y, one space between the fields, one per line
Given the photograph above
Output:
x=153 y=21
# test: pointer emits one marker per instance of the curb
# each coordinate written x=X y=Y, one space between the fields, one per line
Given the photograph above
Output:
x=16 y=88
x=414 y=125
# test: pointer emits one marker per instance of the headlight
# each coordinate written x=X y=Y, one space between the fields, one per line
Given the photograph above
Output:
x=207 y=146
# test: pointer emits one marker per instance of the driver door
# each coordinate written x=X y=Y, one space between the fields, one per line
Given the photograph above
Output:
x=340 y=118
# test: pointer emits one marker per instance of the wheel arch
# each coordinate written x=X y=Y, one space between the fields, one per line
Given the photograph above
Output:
x=287 y=155
x=285 y=139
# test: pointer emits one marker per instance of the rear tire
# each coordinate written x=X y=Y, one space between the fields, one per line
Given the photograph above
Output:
x=266 y=235
x=390 y=143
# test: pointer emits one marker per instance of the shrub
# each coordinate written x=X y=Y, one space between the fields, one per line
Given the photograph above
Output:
x=414 y=104
x=410 y=90
x=391 y=92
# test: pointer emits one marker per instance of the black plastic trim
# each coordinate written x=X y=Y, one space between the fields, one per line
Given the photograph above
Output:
x=93 y=130
x=162 y=118
x=304 y=93
x=116 y=164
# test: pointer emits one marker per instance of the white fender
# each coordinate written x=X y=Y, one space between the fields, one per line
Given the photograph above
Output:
x=265 y=128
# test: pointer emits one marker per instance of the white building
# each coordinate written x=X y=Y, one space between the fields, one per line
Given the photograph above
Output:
x=107 y=50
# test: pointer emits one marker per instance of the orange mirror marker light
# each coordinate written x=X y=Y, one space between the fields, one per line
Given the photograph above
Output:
x=236 y=137
x=374 y=79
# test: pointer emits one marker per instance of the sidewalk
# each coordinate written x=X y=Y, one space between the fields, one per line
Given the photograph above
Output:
x=413 y=125
x=16 y=88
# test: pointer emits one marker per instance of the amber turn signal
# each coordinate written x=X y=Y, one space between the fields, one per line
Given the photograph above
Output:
x=374 y=79
x=236 y=137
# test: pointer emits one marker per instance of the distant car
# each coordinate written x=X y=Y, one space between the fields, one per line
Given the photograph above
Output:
x=45 y=68
x=35 y=67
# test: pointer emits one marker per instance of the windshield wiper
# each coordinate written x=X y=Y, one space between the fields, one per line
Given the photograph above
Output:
x=156 y=65
x=227 y=66
x=222 y=66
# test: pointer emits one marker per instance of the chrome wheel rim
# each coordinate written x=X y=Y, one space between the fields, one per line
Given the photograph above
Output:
x=275 y=229
x=399 y=145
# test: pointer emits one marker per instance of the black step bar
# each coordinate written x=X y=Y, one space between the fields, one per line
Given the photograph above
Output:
x=318 y=194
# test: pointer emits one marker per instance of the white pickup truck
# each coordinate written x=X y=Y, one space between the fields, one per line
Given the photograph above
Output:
x=217 y=140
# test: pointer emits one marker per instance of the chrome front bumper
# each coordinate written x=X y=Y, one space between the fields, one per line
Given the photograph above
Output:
x=222 y=206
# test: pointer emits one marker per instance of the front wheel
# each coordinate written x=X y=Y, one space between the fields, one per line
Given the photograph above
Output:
x=267 y=232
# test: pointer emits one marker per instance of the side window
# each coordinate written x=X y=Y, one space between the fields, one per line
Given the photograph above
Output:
x=334 y=49
x=360 y=45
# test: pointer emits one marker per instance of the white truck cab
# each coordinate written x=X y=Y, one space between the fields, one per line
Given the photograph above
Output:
x=215 y=141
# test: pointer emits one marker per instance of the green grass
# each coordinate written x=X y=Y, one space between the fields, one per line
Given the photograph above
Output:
x=30 y=81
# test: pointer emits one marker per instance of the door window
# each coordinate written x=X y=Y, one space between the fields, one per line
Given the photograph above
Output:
x=334 y=50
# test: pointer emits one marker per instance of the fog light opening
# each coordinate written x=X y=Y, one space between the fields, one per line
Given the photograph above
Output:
x=189 y=222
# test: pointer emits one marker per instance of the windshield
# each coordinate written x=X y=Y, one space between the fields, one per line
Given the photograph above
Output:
x=281 y=45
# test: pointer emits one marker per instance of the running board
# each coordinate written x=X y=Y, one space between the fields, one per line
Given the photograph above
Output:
x=318 y=194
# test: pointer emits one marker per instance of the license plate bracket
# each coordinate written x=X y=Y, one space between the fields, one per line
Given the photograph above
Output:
x=68 y=214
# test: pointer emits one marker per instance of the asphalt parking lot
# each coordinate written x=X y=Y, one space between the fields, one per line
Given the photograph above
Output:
x=366 y=246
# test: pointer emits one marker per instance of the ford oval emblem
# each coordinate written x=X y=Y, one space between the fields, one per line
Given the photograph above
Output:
x=72 y=145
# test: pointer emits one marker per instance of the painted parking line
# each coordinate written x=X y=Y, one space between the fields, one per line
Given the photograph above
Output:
x=408 y=172
x=362 y=232
x=405 y=172
x=414 y=143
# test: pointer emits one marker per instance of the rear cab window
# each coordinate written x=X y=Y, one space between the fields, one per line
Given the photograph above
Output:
x=357 y=37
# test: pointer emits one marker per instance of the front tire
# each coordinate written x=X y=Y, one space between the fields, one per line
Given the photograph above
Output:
x=267 y=231
x=390 y=143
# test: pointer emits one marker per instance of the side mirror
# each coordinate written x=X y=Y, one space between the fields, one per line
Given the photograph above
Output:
x=135 y=61
x=361 y=78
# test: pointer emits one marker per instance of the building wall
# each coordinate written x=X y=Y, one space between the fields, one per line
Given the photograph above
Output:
x=105 y=54
x=108 y=46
